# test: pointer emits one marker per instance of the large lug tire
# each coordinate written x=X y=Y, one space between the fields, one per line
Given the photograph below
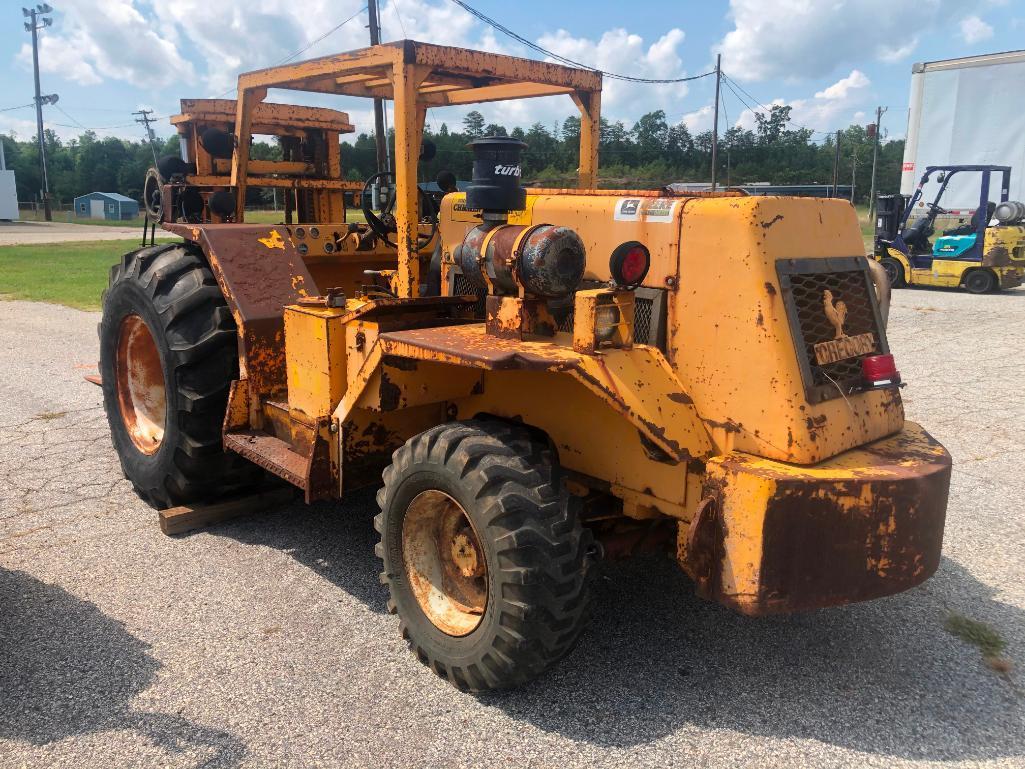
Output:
x=487 y=564
x=168 y=355
x=981 y=282
x=894 y=271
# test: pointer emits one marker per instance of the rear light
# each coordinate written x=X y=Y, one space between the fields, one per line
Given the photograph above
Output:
x=629 y=263
x=879 y=371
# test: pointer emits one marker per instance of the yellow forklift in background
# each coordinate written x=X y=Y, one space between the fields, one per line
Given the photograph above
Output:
x=984 y=254
x=535 y=379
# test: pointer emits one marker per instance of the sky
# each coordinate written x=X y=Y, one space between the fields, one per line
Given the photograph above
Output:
x=834 y=61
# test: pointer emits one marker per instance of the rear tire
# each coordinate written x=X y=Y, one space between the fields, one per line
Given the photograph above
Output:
x=168 y=356
x=980 y=282
x=894 y=271
x=527 y=583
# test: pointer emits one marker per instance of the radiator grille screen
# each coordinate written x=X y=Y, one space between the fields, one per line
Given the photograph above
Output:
x=820 y=295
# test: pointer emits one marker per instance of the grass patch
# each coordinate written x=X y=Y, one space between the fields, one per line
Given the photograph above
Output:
x=48 y=416
x=72 y=274
x=983 y=637
x=252 y=217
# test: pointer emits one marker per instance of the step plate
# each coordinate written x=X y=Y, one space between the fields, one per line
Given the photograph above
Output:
x=270 y=453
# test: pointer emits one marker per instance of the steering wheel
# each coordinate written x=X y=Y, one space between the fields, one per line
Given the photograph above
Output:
x=936 y=208
x=384 y=224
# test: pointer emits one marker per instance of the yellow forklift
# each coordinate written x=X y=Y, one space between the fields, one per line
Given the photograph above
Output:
x=984 y=254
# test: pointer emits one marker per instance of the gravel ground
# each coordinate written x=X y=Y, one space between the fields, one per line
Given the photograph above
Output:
x=264 y=641
x=33 y=233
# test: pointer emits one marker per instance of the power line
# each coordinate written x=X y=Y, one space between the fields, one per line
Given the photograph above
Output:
x=765 y=109
x=61 y=110
x=551 y=54
x=23 y=106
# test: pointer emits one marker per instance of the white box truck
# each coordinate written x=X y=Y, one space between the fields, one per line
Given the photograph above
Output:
x=967 y=112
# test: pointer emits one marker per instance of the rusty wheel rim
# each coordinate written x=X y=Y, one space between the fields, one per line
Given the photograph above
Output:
x=141 y=392
x=444 y=563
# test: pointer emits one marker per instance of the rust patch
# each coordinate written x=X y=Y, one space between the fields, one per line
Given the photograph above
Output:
x=770 y=290
x=391 y=393
x=998 y=256
x=683 y=398
x=729 y=425
x=772 y=221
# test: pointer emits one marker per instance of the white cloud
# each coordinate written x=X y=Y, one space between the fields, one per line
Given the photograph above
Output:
x=621 y=51
x=975 y=30
x=842 y=88
x=797 y=39
x=833 y=106
x=108 y=39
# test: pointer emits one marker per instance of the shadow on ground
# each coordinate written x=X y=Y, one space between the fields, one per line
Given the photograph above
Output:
x=883 y=677
x=67 y=669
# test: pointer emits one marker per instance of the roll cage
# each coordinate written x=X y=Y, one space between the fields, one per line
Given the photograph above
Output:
x=948 y=173
x=417 y=76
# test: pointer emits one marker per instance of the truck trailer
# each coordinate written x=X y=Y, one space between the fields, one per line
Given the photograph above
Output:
x=963 y=112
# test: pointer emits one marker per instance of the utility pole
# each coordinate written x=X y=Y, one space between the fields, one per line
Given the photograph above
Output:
x=37 y=21
x=836 y=166
x=875 y=160
x=854 y=171
x=380 y=138
x=715 y=122
x=145 y=119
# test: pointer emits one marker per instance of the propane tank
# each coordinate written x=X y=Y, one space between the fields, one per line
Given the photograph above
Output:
x=1009 y=212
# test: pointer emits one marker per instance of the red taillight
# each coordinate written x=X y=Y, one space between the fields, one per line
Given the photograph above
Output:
x=879 y=371
x=629 y=263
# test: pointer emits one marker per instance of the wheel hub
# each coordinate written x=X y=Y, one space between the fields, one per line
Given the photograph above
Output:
x=444 y=563
x=141 y=392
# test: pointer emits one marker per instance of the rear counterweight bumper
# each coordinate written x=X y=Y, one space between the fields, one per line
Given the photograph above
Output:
x=771 y=537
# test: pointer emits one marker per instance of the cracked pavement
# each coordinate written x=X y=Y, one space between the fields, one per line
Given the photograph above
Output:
x=264 y=641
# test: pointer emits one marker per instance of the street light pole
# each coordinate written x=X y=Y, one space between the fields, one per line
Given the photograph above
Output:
x=37 y=21
x=715 y=123
x=875 y=159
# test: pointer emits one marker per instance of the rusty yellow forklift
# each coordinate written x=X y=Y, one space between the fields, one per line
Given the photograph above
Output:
x=535 y=378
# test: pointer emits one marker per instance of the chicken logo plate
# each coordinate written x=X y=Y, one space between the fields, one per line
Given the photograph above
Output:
x=841 y=346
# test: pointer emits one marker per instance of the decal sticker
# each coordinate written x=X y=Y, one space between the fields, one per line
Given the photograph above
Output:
x=627 y=210
x=651 y=210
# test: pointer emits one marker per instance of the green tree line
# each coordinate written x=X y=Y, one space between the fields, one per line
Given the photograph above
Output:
x=651 y=153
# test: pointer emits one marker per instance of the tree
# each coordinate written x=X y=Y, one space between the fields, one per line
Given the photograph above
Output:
x=474 y=124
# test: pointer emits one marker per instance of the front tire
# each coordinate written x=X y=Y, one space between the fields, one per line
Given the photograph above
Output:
x=894 y=271
x=484 y=556
x=168 y=355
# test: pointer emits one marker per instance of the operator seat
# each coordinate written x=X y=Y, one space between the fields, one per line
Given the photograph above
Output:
x=973 y=225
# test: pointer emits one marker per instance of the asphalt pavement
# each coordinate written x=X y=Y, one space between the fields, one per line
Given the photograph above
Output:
x=265 y=641
x=34 y=233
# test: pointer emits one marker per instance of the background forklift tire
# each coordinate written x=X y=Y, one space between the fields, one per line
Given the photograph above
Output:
x=980 y=282
x=524 y=556
x=168 y=355
x=894 y=271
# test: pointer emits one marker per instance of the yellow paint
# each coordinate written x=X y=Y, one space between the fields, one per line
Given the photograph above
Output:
x=274 y=240
x=315 y=359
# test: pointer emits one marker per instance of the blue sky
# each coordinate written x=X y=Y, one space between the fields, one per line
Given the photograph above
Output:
x=834 y=60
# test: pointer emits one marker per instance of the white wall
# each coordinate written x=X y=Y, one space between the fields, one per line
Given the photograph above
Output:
x=969 y=115
x=8 y=196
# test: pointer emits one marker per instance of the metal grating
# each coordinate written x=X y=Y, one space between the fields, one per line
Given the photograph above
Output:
x=805 y=283
x=645 y=331
x=461 y=286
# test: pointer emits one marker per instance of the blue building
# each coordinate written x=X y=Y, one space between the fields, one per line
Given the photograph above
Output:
x=105 y=205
